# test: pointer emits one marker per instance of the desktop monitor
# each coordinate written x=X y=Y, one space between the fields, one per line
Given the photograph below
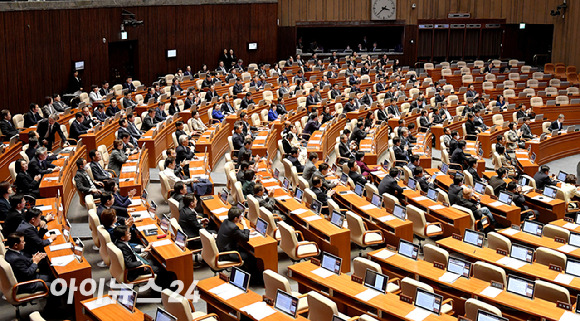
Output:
x=522 y=253
x=408 y=249
x=428 y=301
x=459 y=266
x=483 y=315
x=400 y=212
x=298 y=195
x=549 y=192
x=377 y=200
x=316 y=206
x=412 y=183
x=240 y=279
x=505 y=198
x=573 y=267
x=171 y=53
x=432 y=194
x=562 y=176
x=534 y=228
x=479 y=188
x=520 y=286
x=331 y=262
x=127 y=298
x=344 y=179
x=337 y=218
x=261 y=226
x=474 y=238
x=376 y=281
x=162 y=315
x=286 y=303
x=574 y=239
x=359 y=189
x=180 y=240
x=79 y=65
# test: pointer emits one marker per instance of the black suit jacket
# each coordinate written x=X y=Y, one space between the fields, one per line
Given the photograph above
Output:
x=31 y=119
x=556 y=125
x=147 y=124
x=470 y=128
x=4 y=208
x=230 y=236
x=497 y=184
x=8 y=129
x=458 y=157
x=382 y=114
x=12 y=221
x=344 y=151
x=129 y=86
x=77 y=129
x=542 y=180
x=26 y=184
x=238 y=141
x=43 y=128
x=295 y=162
x=454 y=193
x=131 y=260
x=389 y=185
x=400 y=154
x=183 y=153
x=358 y=135
x=111 y=111
x=474 y=174
x=227 y=108
x=82 y=181
x=99 y=173
x=36 y=167
x=357 y=178
x=32 y=237
x=189 y=222
x=22 y=266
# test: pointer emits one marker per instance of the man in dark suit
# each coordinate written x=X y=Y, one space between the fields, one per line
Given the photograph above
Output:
x=335 y=92
x=558 y=124
x=149 y=120
x=526 y=130
x=189 y=221
x=542 y=177
x=390 y=185
x=77 y=128
x=293 y=158
x=176 y=88
x=358 y=134
x=349 y=106
x=344 y=150
x=113 y=108
x=497 y=182
x=470 y=128
x=107 y=202
x=151 y=93
x=311 y=99
x=470 y=201
x=25 y=265
x=401 y=153
x=227 y=107
x=472 y=169
x=48 y=129
x=238 y=87
x=423 y=181
x=247 y=101
x=459 y=156
x=310 y=166
x=238 y=138
x=90 y=121
x=129 y=85
x=6 y=125
x=312 y=125
x=230 y=237
x=39 y=165
x=183 y=151
x=5 y=192
x=99 y=173
x=393 y=110
x=15 y=215
x=100 y=113
x=455 y=189
x=32 y=234
x=354 y=175
x=84 y=182
x=32 y=117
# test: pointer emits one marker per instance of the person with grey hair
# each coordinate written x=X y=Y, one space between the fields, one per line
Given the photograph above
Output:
x=39 y=165
x=118 y=157
x=558 y=124
x=183 y=151
x=48 y=129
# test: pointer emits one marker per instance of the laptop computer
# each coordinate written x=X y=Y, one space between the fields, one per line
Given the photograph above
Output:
x=573 y=267
x=408 y=249
x=240 y=279
x=479 y=188
x=522 y=253
x=505 y=198
x=377 y=200
x=331 y=262
x=162 y=315
x=316 y=206
x=337 y=219
x=520 y=286
x=376 y=281
x=562 y=176
x=432 y=194
x=286 y=303
x=534 y=228
x=474 y=238
x=180 y=240
x=359 y=189
x=483 y=315
x=261 y=226
x=400 y=212
x=549 y=192
x=428 y=301
x=412 y=183
x=459 y=266
x=298 y=195
x=127 y=298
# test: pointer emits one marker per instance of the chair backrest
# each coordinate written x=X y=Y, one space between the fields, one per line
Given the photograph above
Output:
x=497 y=119
x=497 y=241
x=371 y=189
x=288 y=239
x=417 y=216
x=551 y=292
x=253 y=209
x=389 y=202
x=117 y=267
x=35 y=316
x=165 y=184
x=356 y=227
x=409 y=287
x=12 y=169
x=320 y=307
x=473 y=305
x=267 y=216
x=7 y=281
x=434 y=253
x=176 y=305
x=274 y=281
x=553 y=231
x=94 y=222
x=104 y=239
x=238 y=193
x=548 y=256
x=174 y=207
x=489 y=272
x=360 y=266
x=303 y=183
x=546 y=127
x=209 y=249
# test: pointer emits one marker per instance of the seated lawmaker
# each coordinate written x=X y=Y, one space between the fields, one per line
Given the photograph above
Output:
x=190 y=221
x=83 y=181
x=25 y=183
x=39 y=165
x=389 y=184
x=120 y=201
x=33 y=230
x=108 y=202
x=542 y=177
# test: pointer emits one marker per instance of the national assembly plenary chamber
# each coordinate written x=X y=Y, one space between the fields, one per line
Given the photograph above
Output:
x=324 y=160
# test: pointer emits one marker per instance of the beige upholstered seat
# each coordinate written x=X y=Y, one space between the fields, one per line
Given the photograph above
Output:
x=274 y=281
x=360 y=266
x=548 y=256
x=359 y=234
x=497 y=119
x=292 y=247
x=253 y=209
x=9 y=286
x=183 y=309
x=473 y=305
x=420 y=226
x=272 y=230
x=553 y=231
x=104 y=238
x=321 y=308
x=489 y=272
x=551 y=292
x=211 y=255
x=409 y=288
x=434 y=253
x=536 y=102
x=497 y=241
x=94 y=222
x=118 y=269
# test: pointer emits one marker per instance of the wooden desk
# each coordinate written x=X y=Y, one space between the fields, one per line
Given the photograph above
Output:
x=555 y=147
x=138 y=179
x=464 y=288
x=376 y=218
x=550 y=209
x=524 y=162
x=105 y=136
x=265 y=249
x=343 y=291
x=229 y=310
x=214 y=142
x=156 y=141
x=537 y=241
x=531 y=271
x=10 y=154
x=110 y=312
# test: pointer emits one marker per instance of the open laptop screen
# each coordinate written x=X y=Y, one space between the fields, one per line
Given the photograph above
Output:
x=162 y=315
x=376 y=200
x=240 y=279
x=400 y=212
x=459 y=266
x=286 y=303
x=408 y=249
x=127 y=298
x=522 y=253
x=532 y=228
x=483 y=315
x=376 y=281
x=337 y=219
x=474 y=238
x=428 y=301
x=331 y=262
x=520 y=286
x=261 y=226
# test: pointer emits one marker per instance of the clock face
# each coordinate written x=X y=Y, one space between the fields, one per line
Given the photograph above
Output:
x=383 y=9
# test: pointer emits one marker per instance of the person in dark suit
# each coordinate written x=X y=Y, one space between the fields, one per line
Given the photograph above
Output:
x=350 y=106
x=401 y=153
x=149 y=121
x=321 y=194
x=77 y=128
x=459 y=156
x=75 y=83
x=470 y=128
x=100 y=113
x=344 y=150
x=247 y=101
x=39 y=165
x=311 y=99
x=424 y=119
x=48 y=129
x=25 y=264
x=471 y=202
x=390 y=185
x=310 y=166
x=227 y=107
x=173 y=106
x=230 y=237
x=335 y=92
x=526 y=130
x=183 y=151
x=6 y=125
x=455 y=189
x=358 y=134
x=238 y=87
x=454 y=141
x=558 y=124
x=189 y=220
x=175 y=87
x=128 y=84
x=99 y=173
x=108 y=202
x=354 y=175
x=393 y=109
x=15 y=215
x=32 y=117
x=542 y=177
x=472 y=169
x=293 y=158
x=497 y=182
x=237 y=138
x=25 y=183
x=128 y=100
x=423 y=181
x=33 y=232
x=84 y=182
x=5 y=191
x=311 y=126
x=151 y=93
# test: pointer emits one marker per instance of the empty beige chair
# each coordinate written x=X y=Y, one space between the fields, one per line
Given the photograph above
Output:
x=360 y=266
x=94 y=222
x=536 y=102
x=104 y=238
x=446 y=72
x=9 y=286
x=553 y=231
x=303 y=183
x=174 y=208
x=546 y=127
x=253 y=209
x=497 y=241
x=409 y=288
x=488 y=85
x=165 y=185
x=551 y=292
x=119 y=271
x=272 y=230
x=533 y=83
x=211 y=255
x=434 y=253
x=371 y=189
x=321 y=308
x=489 y=272
x=548 y=256
x=181 y=308
x=274 y=282
x=473 y=305
x=562 y=100
x=509 y=93
x=420 y=226
x=90 y=201
x=497 y=119
x=359 y=234
x=389 y=202
x=296 y=250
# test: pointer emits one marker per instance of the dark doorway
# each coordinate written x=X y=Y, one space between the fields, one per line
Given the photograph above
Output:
x=532 y=44
x=123 y=61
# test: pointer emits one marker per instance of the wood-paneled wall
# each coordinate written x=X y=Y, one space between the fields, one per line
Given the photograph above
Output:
x=40 y=46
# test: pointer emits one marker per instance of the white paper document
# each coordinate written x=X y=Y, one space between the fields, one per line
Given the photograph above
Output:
x=564 y=278
x=220 y=210
x=378 y=173
x=569 y=316
x=258 y=310
x=129 y=169
x=436 y=207
x=312 y=218
x=384 y=254
x=136 y=201
x=322 y=272
x=299 y=211
x=50 y=178
x=146 y=227
x=44 y=207
x=226 y=291
x=283 y=197
x=223 y=217
x=62 y=260
x=491 y=292
x=62 y=246
x=100 y=302
x=571 y=226
x=314 y=142
x=368 y=207
x=53 y=231
x=269 y=180
x=510 y=231
x=367 y=295
x=418 y=314
x=511 y=262
x=567 y=248
x=449 y=277
x=419 y=198
x=161 y=243
x=496 y=204
x=387 y=218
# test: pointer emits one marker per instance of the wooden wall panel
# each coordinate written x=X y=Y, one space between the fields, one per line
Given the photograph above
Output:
x=41 y=45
